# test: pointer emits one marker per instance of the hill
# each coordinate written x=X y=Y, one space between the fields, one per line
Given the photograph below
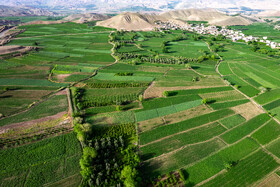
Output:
x=24 y=11
x=131 y=21
x=269 y=13
x=213 y=17
x=137 y=21
x=82 y=18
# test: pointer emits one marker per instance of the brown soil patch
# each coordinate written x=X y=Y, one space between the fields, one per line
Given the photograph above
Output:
x=62 y=92
x=62 y=77
x=28 y=124
x=247 y=110
x=173 y=118
x=12 y=49
x=272 y=180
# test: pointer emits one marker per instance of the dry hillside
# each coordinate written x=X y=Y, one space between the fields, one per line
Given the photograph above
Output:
x=214 y=17
x=137 y=21
x=131 y=21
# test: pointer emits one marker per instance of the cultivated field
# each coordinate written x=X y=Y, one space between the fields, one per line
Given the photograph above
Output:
x=148 y=108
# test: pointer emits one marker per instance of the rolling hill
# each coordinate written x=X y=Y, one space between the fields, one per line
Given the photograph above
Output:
x=138 y=21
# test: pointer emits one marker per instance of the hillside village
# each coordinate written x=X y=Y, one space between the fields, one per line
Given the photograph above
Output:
x=214 y=30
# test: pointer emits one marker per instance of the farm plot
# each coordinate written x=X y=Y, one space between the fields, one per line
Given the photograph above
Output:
x=163 y=131
x=173 y=118
x=200 y=91
x=29 y=82
x=52 y=29
x=228 y=104
x=272 y=105
x=267 y=133
x=12 y=101
x=176 y=141
x=215 y=163
x=187 y=48
x=247 y=171
x=268 y=96
x=181 y=158
x=47 y=108
x=244 y=129
x=113 y=77
x=149 y=114
x=222 y=96
x=273 y=147
x=42 y=162
x=164 y=102
x=224 y=69
x=232 y=121
x=243 y=86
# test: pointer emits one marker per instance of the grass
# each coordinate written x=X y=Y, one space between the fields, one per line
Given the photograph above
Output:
x=215 y=163
x=232 y=121
x=267 y=133
x=163 y=131
x=175 y=142
x=244 y=129
x=47 y=108
x=247 y=171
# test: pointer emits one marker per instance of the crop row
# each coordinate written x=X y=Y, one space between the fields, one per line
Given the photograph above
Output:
x=247 y=171
x=114 y=131
x=107 y=100
x=116 y=85
x=158 y=112
x=175 y=142
x=214 y=164
x=241 y=131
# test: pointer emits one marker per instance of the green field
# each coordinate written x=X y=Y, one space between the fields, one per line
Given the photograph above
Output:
x=40 y=163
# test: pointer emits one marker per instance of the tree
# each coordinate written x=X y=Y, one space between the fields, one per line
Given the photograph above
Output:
x=140 y=98
x=128 y=173
x=118 y=108
x=165 y=94
x=204 y=101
